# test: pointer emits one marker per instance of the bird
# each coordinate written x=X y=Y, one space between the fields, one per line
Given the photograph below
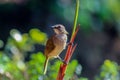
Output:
x=55 y=44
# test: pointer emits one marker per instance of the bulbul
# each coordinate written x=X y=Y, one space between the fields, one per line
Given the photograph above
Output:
x=55 y=44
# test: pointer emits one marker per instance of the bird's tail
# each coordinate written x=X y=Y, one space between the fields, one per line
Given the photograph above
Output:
x=45 y=65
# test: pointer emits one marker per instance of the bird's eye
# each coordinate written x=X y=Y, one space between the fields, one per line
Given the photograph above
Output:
x=58 y=26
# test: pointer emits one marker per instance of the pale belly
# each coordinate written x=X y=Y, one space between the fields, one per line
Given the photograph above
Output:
x=60 y=45
x=57 y=50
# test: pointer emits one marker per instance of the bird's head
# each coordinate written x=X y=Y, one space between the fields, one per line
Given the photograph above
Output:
x=59 y=29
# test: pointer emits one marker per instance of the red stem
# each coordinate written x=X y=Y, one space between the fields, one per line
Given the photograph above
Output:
x=68 y=55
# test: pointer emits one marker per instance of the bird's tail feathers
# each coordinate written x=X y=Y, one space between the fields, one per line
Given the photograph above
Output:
x=45 y=65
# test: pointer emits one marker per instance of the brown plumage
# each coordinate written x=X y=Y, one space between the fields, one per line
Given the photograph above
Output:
x=55 y=44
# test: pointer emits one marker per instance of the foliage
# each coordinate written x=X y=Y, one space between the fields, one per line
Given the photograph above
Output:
x=13 y=65
x=93 y=14
x=109 y=71
x=12 y=57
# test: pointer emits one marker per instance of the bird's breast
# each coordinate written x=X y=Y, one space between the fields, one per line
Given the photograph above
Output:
x=61 y=41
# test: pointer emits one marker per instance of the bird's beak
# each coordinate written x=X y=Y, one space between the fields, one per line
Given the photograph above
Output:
x=66 y=32
x=53 y=27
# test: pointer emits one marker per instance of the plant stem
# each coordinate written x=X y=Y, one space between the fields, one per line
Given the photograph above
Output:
x=70 y=48
x=76 y=16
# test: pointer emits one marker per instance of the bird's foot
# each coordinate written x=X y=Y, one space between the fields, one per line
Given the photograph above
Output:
x=62 y=60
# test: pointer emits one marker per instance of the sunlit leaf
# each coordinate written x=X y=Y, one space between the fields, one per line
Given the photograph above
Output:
x=38 y=36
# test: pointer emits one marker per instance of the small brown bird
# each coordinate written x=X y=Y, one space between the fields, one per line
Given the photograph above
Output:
x=55 y=44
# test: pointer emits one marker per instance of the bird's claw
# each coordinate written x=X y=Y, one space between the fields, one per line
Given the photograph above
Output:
x=62 y=60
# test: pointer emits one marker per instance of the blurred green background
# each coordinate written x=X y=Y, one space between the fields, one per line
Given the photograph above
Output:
x=25 y=25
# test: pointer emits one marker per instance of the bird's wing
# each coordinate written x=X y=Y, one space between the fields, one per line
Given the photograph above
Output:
x=49 y=46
